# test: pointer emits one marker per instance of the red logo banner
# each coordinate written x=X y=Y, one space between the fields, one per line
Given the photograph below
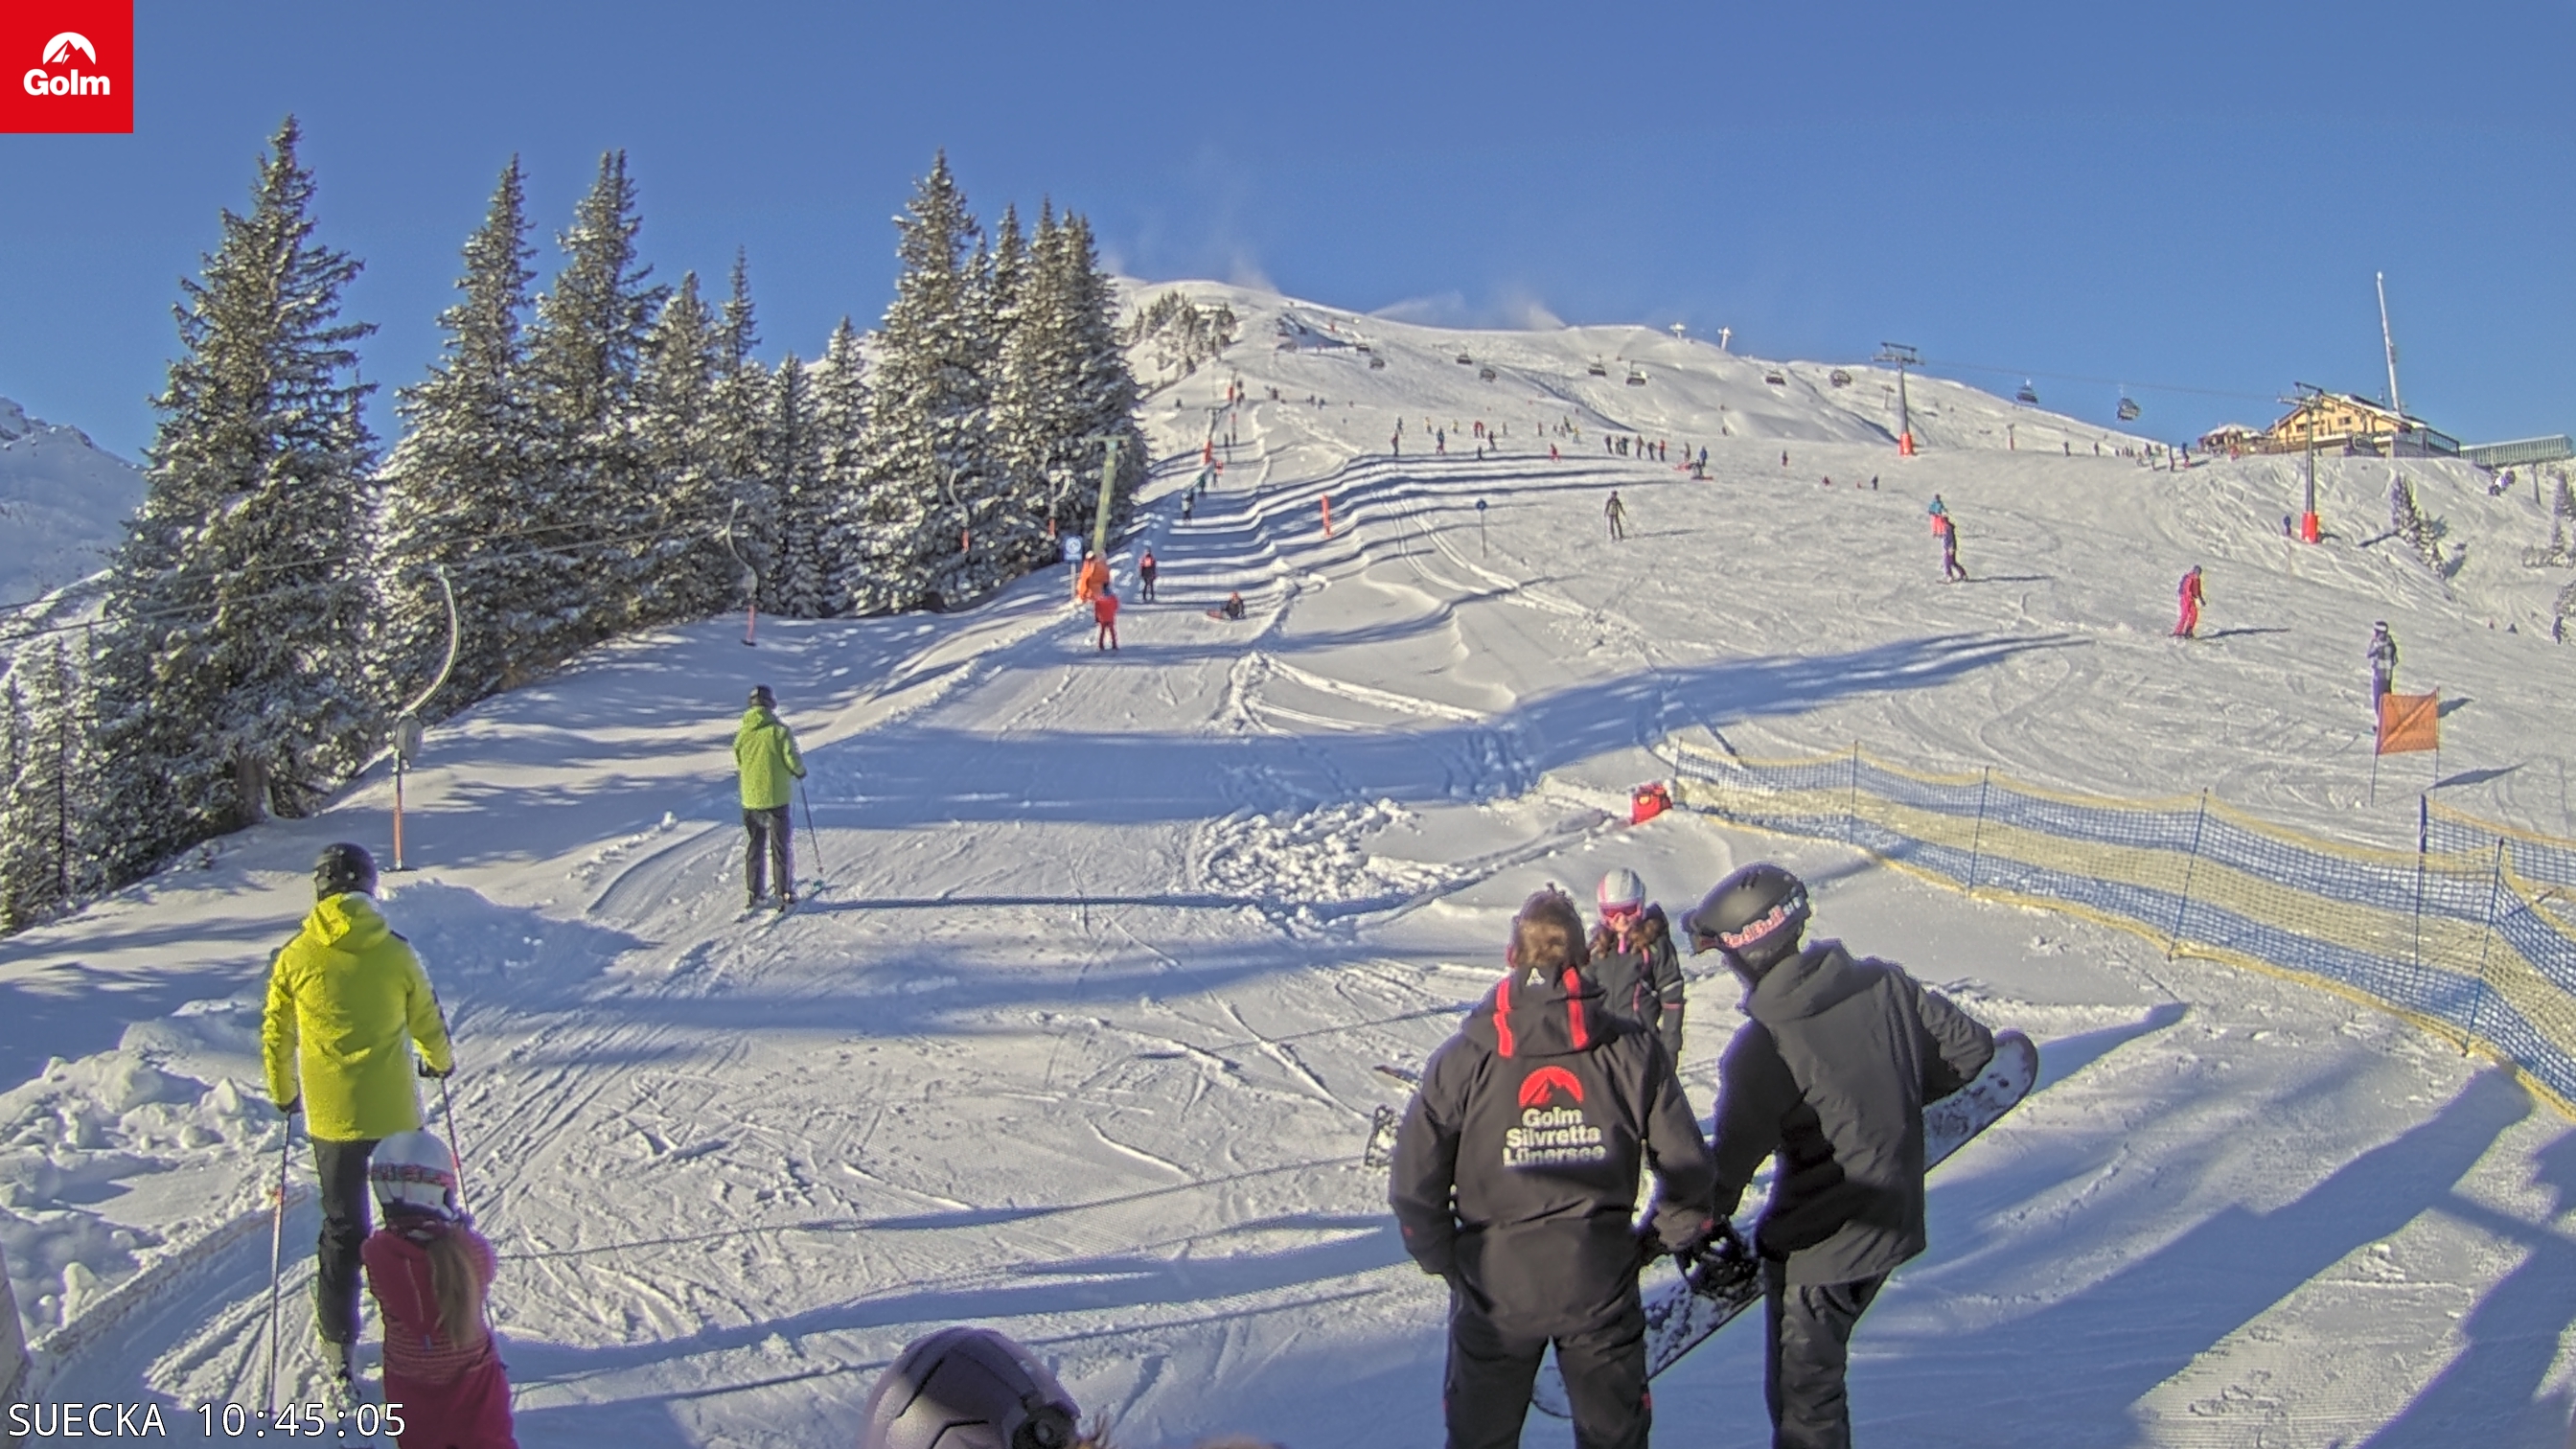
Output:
x=67 y=66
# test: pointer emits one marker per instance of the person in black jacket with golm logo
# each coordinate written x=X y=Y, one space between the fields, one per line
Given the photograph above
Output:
x=1634 y=961
x=1830 y=1070
x=1515 y=1178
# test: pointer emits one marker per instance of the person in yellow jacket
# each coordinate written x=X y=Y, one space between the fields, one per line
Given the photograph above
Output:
x=342 y=997
x=765 y=754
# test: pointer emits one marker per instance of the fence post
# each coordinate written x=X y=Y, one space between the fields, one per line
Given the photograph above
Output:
x=1977 y=837
x=2190 y=863
x=2422 y=826
x=2495 y=885
x=1851 y=805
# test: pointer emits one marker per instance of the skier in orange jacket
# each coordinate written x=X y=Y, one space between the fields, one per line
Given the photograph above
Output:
x=1105 y=610
x=2188 y=626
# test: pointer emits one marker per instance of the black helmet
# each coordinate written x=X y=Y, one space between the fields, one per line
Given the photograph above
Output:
x=761 y=696
x=1754 y=916
x=342 y=868
x=968 y=1388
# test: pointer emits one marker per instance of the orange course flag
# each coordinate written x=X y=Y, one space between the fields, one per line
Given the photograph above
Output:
x=2409 y=722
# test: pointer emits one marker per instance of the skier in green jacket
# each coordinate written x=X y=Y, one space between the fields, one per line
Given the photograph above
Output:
x=342 y=997
x=765 y=753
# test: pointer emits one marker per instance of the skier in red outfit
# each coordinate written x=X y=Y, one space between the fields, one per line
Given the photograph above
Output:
x=1105 y=610
x=429 y=1271
x=2188 y=626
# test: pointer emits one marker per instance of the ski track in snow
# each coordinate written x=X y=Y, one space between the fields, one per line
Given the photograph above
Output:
x=1078 y=1036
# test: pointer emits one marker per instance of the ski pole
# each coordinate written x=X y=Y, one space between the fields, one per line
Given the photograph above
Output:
x=455 y=1135
x=276 y=1252
x=813 y=842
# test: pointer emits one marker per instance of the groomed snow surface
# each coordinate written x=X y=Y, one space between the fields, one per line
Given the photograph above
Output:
x=1077 y=1037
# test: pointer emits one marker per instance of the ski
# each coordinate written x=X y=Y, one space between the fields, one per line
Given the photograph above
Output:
x=1682 y=1312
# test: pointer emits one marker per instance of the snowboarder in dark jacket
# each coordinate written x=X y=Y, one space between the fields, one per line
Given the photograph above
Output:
x=1515 y=1178
x=1830 y=1070
x=1633 y=960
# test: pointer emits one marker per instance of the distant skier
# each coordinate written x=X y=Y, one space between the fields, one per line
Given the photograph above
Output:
x=1440 y=441
x=1104 y=612
x=1189 y=504
x=1145 y=578
x=1952 y=571
x=1515 y=1178
x=1617 y=512
x=2188 y=626
x=1940 y=514
x=347 y=1000
x=1633 y=960
x=1233 y=608
x=1830 y=1070
x=765 y=755
x=2383 y=663
x=431 y=1274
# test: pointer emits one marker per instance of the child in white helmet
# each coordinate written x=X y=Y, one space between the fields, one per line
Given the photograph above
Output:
x=1633 y=959
x=430 y=1272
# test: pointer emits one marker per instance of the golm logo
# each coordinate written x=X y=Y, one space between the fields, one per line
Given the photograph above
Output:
x=60 y=50
x=1541 y=1086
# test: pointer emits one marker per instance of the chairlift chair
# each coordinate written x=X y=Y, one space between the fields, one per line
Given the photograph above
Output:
x=1464 y=359
x=1838 y=378
x=1776 y=378
x=1636 y=378
x=2128 y=409
x=1598 y=368
x=1486 y=373
x=1376 y=363
x=2028 y=394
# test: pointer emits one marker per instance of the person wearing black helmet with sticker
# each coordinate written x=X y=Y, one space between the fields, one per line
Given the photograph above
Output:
x=346 y=998
x=1830 y=1070
x=970 y=1388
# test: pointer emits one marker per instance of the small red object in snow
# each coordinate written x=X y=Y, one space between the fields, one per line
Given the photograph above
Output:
x=1648 y=801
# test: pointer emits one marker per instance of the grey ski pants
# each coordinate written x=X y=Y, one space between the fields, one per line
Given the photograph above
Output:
x=346 y=1221
x=1486 y=1392
x=1806 y=1351
x=768 y=847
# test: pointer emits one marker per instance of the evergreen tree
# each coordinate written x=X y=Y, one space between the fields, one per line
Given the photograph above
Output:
x=237 y=607
x=45 y=831
x=838 y=416
x=461 y=491
x=1065 y=385
x=929 y=471
x=680 y=567
x=2421 y=533
x=582 y=359
x=741 y=402
x=804 y=572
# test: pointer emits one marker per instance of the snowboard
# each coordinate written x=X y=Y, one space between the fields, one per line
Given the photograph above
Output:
x=1379 y=1150
x=1679 y=1316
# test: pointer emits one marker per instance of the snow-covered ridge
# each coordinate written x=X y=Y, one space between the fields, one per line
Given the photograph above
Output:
x=63 y=504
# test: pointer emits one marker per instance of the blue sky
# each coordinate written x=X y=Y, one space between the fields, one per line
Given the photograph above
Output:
x=2190 y=198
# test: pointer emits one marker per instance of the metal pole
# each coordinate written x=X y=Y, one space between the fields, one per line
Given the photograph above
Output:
x=2495 y=885
x=2423 y=828
x=1977 y=839
x=455 y=1135
x=2199 y=822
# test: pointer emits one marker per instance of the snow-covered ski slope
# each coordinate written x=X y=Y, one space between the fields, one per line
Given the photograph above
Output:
x=1078 y=1039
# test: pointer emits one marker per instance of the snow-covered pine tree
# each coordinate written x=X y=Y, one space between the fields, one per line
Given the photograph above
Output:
x=680 y=566
x=740 y=405
x=236 y=621
x=838 y=416
x=804 y=573
x=928 y=458
x=45 y=830
x=581 y=363
x=1104 y=388
x=2422 y=534
x=460 y=488
x=1064 y=385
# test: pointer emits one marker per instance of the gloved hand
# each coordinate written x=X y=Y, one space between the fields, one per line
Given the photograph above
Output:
x=290 y=1106
x=435 y=1073
x=1724 y=1264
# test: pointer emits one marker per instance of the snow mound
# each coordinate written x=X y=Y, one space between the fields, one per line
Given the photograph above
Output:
x=1313 y=862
